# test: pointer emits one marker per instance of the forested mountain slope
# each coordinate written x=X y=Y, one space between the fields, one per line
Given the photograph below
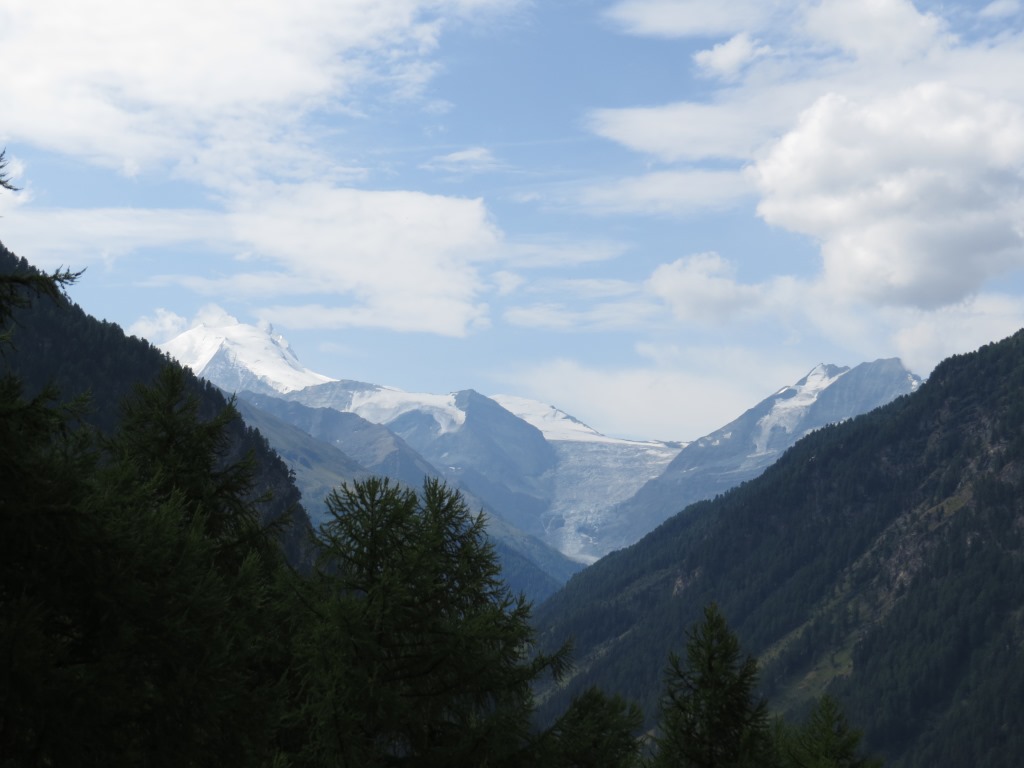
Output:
x=59 y=344
x=881 y=560
x=56 y=343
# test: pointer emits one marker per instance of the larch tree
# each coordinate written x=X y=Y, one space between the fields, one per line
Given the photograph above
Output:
x=710 y=715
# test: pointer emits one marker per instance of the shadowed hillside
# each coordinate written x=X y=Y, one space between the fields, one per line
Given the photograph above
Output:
x=881 y=560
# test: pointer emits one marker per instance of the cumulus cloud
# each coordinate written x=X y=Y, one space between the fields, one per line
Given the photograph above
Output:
x=873 y=29
x=892 y=143
x=922 y=339
x=916 y=198
x=163 y=325
x=394 y=259
x=703 y=288
x=727 y=59
x=213 y=316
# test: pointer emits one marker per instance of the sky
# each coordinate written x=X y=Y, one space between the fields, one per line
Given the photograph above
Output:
x=651 y=214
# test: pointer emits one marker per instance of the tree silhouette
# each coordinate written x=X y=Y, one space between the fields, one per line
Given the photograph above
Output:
x=710 y=717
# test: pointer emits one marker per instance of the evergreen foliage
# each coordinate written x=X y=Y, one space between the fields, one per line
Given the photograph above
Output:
x=5 y=180
x=824 y=740
x=710 y=716
x=422 y=645
x=596 y=731
x=125 y=638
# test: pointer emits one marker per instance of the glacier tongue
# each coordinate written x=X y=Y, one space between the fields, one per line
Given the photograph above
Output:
x=590 y=479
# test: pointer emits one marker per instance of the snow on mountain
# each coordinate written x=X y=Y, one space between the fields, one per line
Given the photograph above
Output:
x=590 y=479
x=746 y=446
x=554 y=423
x=255 y=353
x=535 y=466
x=593 y=473
x=790 y=404
x=383 y=405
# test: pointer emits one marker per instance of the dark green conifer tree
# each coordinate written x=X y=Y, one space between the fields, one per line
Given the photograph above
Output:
x=138 y=624
x=596 y=731
x=421 y=656
x=710 y=716
x=825 y=740
x=5 y=180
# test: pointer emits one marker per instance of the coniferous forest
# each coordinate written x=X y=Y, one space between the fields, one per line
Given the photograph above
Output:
x=164 y=601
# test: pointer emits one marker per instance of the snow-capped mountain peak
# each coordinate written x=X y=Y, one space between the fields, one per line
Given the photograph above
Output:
x=553 y=423
x=790 y=404
x=245 y=356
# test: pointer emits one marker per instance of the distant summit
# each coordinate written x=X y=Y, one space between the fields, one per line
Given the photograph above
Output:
x=237 y=357
x=746 y=446
x=556 y=424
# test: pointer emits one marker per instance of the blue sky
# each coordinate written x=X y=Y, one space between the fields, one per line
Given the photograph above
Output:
x=649 y=213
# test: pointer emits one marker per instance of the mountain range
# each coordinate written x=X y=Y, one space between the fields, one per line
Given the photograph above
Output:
x=536 y=468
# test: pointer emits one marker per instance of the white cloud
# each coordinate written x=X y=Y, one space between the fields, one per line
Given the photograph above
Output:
x=624 y=314
x=661 y=402
x=667 y=192
x=703 y=289
x=84 y=236
x=214 y=316
x=872 y=129
x=687 y=130
x=471 y=160
x=401 y=260
x=873 y=29
x=687 y=18
x=162 y=326
x=727 y=59
x=554 y=252
x=1000 y=9
x=916 y=198
x=131 y=85
x=506 y=282
x=923 y=339
x=591 y=288
x=419 y=314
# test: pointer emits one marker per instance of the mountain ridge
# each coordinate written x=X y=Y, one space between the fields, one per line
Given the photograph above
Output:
x=880 y=560
x=541 y=469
